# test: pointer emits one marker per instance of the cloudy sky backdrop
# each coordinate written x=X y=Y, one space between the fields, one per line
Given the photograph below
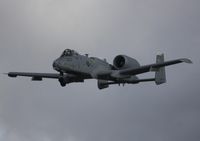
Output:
x=34 y=32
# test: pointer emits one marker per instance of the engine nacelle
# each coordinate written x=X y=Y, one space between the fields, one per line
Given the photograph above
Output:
x=124 y=62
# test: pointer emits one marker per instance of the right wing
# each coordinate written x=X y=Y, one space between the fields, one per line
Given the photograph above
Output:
x=35 y=76
x=63 y=79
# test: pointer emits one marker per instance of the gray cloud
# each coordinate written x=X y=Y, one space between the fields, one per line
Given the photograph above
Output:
x=33 y=33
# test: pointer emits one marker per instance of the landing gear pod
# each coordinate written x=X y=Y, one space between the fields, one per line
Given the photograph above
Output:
x=102 y=84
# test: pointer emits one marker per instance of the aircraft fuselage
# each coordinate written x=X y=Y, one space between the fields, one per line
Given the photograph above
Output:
x=81 y=64
x=73 y=67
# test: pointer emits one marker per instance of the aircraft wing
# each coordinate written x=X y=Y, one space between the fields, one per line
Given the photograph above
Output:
x=35 y=76
x=152 y=67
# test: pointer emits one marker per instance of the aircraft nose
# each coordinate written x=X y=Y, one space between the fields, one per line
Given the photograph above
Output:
x=56 y=65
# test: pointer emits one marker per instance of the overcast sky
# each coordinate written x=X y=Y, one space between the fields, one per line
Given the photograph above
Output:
x=35 y=32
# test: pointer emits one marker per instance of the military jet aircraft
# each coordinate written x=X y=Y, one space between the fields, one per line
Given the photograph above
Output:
x=73 y=67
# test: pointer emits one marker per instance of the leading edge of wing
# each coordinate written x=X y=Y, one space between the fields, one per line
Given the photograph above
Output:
x=30 y=74
x=152 y=67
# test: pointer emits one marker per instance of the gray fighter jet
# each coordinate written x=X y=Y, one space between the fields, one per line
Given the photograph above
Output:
x=73 y=67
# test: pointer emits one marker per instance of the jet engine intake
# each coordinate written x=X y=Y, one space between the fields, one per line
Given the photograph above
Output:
x=124 y=62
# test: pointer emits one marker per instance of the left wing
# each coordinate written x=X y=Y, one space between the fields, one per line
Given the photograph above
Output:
x=35 y=76
x=153 y=67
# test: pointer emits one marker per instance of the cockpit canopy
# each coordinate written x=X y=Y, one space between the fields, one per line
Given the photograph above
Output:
x=69 y=52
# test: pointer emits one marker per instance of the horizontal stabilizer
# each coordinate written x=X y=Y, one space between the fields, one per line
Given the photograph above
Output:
x=103 y=83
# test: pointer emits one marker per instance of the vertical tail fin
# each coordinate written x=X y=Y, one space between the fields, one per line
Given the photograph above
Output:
x=160 y=75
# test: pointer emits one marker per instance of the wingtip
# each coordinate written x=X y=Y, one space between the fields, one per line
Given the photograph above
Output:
x=186 y=60
x=10 y=74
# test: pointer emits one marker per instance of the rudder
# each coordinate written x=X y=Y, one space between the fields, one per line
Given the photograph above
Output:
x=160 y=75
